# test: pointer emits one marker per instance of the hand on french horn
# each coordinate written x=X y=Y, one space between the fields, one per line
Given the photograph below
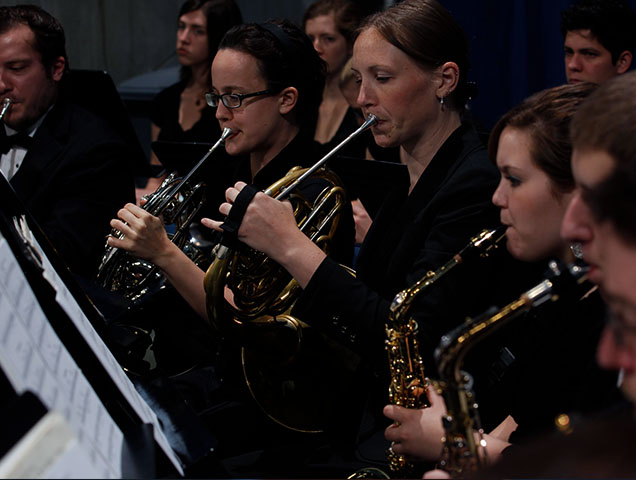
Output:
x=417 y=433
x=269 y=226
x=144 y=234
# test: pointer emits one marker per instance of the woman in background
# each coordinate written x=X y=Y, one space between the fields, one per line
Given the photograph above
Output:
x=330 y=25
x=179 y=113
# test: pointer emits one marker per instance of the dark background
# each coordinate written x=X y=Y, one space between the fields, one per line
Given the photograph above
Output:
x=516 y=45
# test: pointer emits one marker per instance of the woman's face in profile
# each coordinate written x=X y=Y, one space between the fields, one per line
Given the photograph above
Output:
x=256 y=122
x=529 y=205
x=395 y=89
x=192 y=39
x=328 y=42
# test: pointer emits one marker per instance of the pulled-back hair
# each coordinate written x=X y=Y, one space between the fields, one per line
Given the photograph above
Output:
x=346 y=15
x=606 y=122
x=220 y=15
x=612 y=22
x=288 y=61
x=429 y=34
x=50 y=40
x=545 y=117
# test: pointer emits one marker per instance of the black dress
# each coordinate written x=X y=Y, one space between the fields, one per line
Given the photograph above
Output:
x=165 y=115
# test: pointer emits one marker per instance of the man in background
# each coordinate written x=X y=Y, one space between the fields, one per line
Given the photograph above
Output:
x=599 y=39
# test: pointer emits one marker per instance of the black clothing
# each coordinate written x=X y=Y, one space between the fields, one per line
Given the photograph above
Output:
x=597 y=447
x=75 y=177
x=249 y=441
x=552 y=367
x=165 y=115
x=411 y=235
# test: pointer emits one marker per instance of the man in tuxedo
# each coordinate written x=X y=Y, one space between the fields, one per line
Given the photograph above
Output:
x=71 y=171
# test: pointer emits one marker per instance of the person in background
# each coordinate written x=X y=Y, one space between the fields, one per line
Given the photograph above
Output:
x=600 y=36
x=71 y=170
x=532 y=149
x=179 y=113
x=330 y=25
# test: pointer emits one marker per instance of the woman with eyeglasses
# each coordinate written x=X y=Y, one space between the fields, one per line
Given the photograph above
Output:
x=266 y=87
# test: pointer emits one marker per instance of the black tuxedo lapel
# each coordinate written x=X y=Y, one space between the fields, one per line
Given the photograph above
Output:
x=46 y=149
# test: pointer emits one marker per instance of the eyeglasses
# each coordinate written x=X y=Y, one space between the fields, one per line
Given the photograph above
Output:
x=232 y=100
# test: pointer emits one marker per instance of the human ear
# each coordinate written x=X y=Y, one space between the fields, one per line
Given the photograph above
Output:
x=287 y=100
x=624 y=62
x=57 y=69
x=449 y=77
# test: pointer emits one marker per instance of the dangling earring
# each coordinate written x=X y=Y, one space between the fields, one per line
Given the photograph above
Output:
x=441 y=100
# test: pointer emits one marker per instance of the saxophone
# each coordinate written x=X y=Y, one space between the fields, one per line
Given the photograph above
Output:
x=464 y=446
x=409 y=386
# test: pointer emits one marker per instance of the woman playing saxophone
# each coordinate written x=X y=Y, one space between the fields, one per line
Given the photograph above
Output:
x=531 y=148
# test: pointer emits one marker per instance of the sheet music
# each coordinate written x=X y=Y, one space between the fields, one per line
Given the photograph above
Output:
x=34 y=358
x=66 y=300
x=50 y=449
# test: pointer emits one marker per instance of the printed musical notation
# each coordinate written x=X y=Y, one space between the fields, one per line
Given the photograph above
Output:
x=33 y=358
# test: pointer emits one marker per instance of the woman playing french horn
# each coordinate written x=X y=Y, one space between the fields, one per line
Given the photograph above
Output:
x=551 y=349
x=267 y=94
x=411 y=63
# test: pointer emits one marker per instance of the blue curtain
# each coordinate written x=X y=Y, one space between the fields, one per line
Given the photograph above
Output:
x=516 y=50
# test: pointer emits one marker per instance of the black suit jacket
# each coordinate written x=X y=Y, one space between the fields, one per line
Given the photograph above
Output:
x=75 y=176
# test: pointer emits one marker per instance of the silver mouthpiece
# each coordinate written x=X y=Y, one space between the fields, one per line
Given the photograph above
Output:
x=5 y=108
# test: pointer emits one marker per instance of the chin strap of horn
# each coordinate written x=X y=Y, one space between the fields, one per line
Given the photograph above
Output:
x=274 y=344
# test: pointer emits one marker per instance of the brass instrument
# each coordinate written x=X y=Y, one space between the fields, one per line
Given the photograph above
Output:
x=178 y=202
x=409 y=385
x=274 y=344
x=5 y=108
x=462 y=454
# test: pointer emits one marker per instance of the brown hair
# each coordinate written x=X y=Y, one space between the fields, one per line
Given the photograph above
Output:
x=429 y=34
x=50 y=40
x=546 y=117
x=345 y=13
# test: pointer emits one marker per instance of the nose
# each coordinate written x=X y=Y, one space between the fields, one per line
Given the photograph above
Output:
x=573 y=63
x=317 y=45
x=4 y=86
x=183 y=35
x=222 y=112
x=499 y=198
x=613 y=353
x=366 y=97
x=576 y=225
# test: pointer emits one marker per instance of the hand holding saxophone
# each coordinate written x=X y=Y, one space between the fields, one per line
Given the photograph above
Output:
x=417 y=433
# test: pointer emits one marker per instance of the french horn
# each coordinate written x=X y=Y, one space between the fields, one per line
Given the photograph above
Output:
x=282 y=357
x=178 y=202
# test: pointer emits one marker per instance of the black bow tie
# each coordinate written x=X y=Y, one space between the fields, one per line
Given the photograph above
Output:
x=20 y=139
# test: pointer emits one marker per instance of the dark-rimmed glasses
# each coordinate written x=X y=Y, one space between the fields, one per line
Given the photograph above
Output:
x=231 y=100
